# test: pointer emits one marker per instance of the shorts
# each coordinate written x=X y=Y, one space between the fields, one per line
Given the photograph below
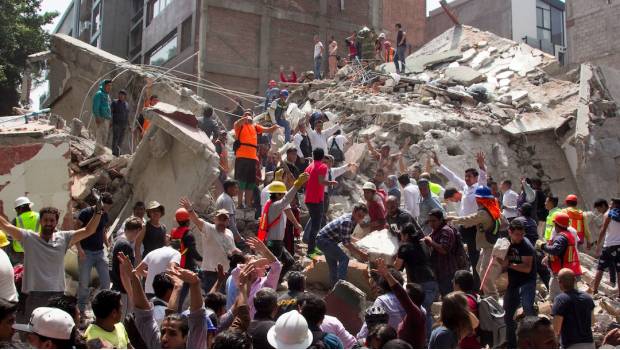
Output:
x=610 y=256
x=245 y=173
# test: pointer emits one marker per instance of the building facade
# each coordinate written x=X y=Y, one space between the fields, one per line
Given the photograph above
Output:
x=539 y=23
x=591 y=28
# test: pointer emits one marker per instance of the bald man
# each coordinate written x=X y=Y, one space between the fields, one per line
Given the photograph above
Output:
x=573 y=314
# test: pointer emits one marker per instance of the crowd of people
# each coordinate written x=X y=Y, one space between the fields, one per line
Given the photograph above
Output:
x=205 y=284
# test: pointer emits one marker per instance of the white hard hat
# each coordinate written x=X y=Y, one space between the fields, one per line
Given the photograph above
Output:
x=49 y=322
x=382 y=36
x=290 y=332
x=22 y=201
x=369 y=186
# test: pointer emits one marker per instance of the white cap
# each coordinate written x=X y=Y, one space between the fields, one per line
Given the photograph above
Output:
x=22 y=201
x=382 y=36
x=369 y=186
x=49 y=322
x=290 y=332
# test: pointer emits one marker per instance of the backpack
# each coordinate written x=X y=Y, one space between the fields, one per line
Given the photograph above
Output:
x=458 y=250
x=491 y=316
x=336 y=152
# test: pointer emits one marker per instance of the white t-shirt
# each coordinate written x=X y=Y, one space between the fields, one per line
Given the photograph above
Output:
x=157 y=262
x=216 y=246
x=7 y=279
x=317 y=49
x=340 y=141
x=612 y=237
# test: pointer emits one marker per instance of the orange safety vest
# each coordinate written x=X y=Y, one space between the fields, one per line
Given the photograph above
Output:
x=263 y=224
x=576 y=221
x=569 y=260
x=389 y=54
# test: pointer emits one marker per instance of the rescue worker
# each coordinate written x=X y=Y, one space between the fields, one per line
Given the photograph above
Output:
x=578 y=221
x=562 y=252
x=277 y=113
x=551 y=203
x=182 y=239
x=488 y=221
x=272 y=223
x=25 y=219
x=272 y=93
x=389 y=52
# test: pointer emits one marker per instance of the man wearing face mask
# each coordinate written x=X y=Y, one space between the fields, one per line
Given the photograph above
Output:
x=44 y=268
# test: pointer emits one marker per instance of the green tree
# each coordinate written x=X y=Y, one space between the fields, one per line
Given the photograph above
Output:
x=21 y=34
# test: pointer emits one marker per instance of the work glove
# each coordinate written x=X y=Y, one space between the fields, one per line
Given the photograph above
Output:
x=301 y=180
x=98 y=200
x=279 y=174
x=539 y=244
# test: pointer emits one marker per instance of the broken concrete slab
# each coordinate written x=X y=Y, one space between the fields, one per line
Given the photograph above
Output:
x=347 y=303
x=529 y=123
x=380 y=244
x=420 y=63
x=464 y=75
x=318 y=273
x=468 y=55
x=504 y=75
x=524 y=61
x=482 y=59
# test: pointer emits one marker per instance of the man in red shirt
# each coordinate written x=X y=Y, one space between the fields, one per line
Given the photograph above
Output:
x=376 y=207
x=315 y=192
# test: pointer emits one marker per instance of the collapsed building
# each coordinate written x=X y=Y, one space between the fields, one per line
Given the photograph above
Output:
x=467 y=91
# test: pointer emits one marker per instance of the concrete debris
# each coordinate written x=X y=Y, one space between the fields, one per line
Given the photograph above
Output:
x=464 y=75
x=347 y=303
x=417 y=64
x=380 y=244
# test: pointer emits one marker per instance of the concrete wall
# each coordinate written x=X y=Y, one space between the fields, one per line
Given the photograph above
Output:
x=592 y=28
x=523 y=19
x=115 y=25
x=494 y=16
x=38 y=170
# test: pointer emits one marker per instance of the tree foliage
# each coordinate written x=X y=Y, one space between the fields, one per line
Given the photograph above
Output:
x=21 y=34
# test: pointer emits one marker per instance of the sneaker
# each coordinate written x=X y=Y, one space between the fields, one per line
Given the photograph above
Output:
x=316 y=251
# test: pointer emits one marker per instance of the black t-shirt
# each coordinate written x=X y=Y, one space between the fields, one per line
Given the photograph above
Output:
x=400 y=220
x=258 y=330
x=95 y=241
x=399 y=36
x=124 y=246
x=287 y=302
x=576 y=309
x=154 y=237
x=541 y=211
x=531 y=228
x=515 y=255
x=417 y=262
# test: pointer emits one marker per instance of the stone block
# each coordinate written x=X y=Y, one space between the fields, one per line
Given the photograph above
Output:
x=464 y=75
x=81 y=187
x=417 y=64
x=468 y=55
x=388 y=118
x=482 y=59
x=357 y=275
x=380 y=244
x=347 y=303
x=356 y=153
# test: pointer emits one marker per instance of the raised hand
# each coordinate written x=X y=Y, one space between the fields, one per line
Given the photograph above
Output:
x=184 y=275
x=186 y=203
x=481 y=159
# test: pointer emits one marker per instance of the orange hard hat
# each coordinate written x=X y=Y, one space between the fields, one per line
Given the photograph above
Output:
x=181 y=215
x=571 y=198
x=388 y=44
x=562 y=219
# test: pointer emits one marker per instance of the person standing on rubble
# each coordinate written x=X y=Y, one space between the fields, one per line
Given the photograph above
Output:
x=376 y=207
x=272 y=93
x=608 y=247
x=102 y=112
x=317 y=135
x=318 y=57
x=26 y=219
x=401 y=47
x=332 y=60
x=246 y=159
x=120 y=121
x=209 y=123
x=578 y=221
x=278 y=114
x=468 y=205
x=353 y=46
x=562 y=252
x=486 y=221
x=153 y=234
x=521 y=265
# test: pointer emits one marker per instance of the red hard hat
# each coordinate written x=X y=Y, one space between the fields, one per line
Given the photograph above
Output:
x=272 y=83
x=562 y=219
x=181 y=215
x=388 y=44
x=571 y=198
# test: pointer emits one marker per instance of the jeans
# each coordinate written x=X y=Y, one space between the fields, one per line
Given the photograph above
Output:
x=314 y=224
x=543 y=270
x=96 y=259
x=515 y=296
x=317 y=67
x=469 y=238
x=277 y=248
x=431 y=289
x=287 y=128
x=399 y=59
x=337 y=260
x=118 y=133
x=101 y=130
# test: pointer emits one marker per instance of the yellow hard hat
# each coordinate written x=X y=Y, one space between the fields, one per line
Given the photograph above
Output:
x=277 y=187
x=3 y=240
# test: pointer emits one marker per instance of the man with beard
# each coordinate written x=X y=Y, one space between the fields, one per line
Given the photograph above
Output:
x=44 y=268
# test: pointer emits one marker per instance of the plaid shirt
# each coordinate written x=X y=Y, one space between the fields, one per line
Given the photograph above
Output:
x=339 y=230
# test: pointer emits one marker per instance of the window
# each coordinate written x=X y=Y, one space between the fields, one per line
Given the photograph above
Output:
x=186 y=34
x=155 y=7
x=543 y=23
x=164 y=53
x=96 y=19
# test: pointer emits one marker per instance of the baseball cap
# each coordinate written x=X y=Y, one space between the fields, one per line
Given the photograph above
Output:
x=49 y=322
x=222 y=212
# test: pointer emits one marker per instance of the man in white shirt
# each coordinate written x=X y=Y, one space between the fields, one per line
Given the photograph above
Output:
x=410 y=195
x=467 y=186
x=338 y=140
x=318 y=57
x=7 y=278
x=218 y=243
x=509 y=200
x=226 y=201
x=156 y=262
x=318 y=136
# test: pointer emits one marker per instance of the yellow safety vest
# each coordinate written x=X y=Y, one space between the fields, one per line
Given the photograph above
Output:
x=549 y=225
x=28 y=221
